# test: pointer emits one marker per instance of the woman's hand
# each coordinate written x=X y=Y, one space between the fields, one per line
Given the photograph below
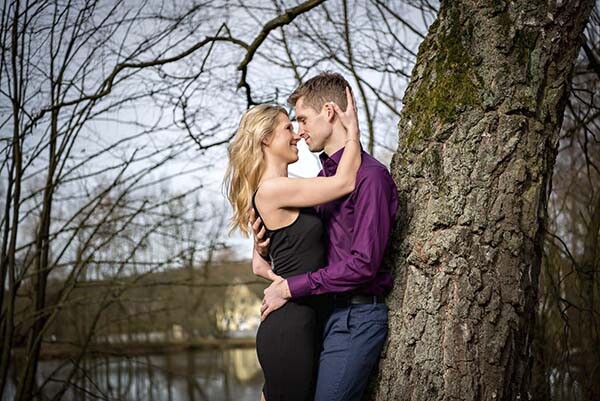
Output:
x=349 y=118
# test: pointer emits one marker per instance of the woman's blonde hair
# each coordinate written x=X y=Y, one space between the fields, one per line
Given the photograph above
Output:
x=246 y=165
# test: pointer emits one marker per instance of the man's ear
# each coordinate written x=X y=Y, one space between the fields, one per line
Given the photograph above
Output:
x=330 y=112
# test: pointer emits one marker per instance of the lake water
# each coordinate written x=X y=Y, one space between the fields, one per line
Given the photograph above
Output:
x=212 y=375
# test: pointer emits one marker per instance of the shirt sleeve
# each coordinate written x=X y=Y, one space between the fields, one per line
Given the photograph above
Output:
x=371 y=232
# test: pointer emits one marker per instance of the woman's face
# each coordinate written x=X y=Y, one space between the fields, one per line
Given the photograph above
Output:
x=283 y=141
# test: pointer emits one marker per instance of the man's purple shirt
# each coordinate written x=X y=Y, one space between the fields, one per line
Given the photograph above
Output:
x=359 y=227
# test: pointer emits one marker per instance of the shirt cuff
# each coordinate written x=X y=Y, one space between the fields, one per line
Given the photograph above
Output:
x=299 y=285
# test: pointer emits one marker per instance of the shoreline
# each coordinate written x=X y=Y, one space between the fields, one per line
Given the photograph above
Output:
x=57 y=350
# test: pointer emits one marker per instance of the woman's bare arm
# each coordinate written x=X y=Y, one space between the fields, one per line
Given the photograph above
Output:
x=303 y=192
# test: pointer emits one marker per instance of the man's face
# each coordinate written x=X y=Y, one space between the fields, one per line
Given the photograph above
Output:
x=313 y=126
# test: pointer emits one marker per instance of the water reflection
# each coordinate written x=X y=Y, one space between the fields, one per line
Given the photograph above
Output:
x=214 y=375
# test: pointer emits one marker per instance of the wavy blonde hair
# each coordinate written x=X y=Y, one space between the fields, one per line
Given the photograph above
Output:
x=246 y=165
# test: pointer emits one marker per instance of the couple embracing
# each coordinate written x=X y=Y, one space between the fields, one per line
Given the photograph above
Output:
x=324 y=320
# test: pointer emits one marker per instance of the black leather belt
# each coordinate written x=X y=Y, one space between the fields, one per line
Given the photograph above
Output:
x=343 y=300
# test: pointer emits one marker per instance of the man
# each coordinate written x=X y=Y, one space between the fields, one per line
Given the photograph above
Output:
x=359 y=226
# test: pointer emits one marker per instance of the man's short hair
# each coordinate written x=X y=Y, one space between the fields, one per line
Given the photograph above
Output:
x=320 y=89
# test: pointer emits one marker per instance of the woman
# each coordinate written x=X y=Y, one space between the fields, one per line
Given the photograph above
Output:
x=288 y=341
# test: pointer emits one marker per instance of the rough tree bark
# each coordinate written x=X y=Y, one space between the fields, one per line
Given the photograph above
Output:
x=477 y=144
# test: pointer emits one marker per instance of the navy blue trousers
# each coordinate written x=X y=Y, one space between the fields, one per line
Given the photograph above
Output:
x=353 y=339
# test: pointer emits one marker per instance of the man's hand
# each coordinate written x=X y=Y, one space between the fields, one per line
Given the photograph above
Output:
x=258 y=230
x=276 y=295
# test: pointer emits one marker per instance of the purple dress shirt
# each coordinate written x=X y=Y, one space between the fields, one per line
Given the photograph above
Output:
x=359 y=227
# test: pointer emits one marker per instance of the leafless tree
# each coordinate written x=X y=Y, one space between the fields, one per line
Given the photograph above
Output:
x=74 y=203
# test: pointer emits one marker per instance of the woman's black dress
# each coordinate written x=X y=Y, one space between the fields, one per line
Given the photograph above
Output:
x=289 y=340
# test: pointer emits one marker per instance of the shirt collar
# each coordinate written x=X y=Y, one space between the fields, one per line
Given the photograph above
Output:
x=334 y=159
x=330 y=163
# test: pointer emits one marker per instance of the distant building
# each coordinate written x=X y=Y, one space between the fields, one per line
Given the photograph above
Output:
x=212 y=301
x=239 y=314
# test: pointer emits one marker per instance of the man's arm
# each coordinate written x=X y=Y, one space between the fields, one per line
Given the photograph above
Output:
x=375 y=210
x=260 y=266
x=376 y=197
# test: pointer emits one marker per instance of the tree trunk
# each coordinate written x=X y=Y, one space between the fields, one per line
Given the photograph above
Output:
x=477 y=144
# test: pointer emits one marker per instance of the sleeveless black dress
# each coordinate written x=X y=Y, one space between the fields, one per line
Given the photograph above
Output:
x=288 y=342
